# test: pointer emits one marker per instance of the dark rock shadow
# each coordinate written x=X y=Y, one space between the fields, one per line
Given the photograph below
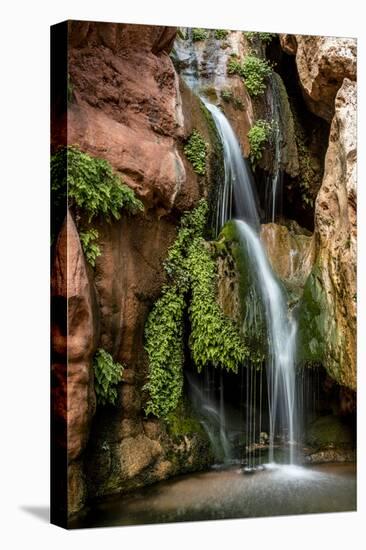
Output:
x=40 y=512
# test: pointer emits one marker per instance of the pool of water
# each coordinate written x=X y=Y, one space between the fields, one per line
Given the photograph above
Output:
x=224 y=494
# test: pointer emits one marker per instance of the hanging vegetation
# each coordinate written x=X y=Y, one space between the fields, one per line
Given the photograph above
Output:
x=214 y=339
x=90 y=185
x=196 y=152
x=107 y=375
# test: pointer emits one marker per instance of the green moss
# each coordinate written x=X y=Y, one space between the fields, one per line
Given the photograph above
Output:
x=229 y=97
x=199 y=34
x=312 y=321
x=164 y=346
x=329 y=431
x=216 y=176
x=182 y=421
x=91 y=248
x=214 y=339
x=90 y=184
x=196 y=152
x=253 y=320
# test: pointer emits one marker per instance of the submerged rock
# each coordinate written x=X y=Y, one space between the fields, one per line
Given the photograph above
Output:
x=328 y=431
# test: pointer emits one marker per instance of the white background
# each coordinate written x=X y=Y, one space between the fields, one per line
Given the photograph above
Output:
x=24 y=249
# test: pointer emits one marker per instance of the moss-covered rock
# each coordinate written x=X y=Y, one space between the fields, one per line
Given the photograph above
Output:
x=312 y=320
x=329 y=431
x=238 y=293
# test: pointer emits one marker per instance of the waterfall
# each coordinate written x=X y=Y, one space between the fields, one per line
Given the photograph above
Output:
x=237 y=200
x=281 y=339
x=238 y=196
x=238 y=187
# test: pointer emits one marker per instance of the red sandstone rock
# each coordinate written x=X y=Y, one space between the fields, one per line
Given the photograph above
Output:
x=74 y=347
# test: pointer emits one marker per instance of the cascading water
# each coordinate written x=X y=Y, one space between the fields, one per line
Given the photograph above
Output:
x=274 y=181
x=280 y=328
x=237 y=200
x=237 y=189
x=281 y=340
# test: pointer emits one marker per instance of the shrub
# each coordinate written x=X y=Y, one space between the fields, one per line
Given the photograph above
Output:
x=91 y=249
x=196 y=152
x=107 y=374
x=253 y=70
x=92 y=185
x=220 y=34
x=199 y=34
x=258 y=136
x=263 y=36
x=214 y=339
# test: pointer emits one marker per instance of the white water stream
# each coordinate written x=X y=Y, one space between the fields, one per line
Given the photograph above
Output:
x=238 y=196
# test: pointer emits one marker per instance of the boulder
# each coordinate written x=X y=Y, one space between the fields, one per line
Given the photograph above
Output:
x=322 y=64
x=290 y=250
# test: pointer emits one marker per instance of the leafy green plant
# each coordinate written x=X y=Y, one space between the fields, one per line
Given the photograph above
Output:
x=199 y=34
x=220 y=34
x=164 y=346
x=265 y=37
x=258 y=136
x=91 y=249
x=92 y=185
x=253 y=70
x=107 y=375
x=214 y=339
x=196 y=152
